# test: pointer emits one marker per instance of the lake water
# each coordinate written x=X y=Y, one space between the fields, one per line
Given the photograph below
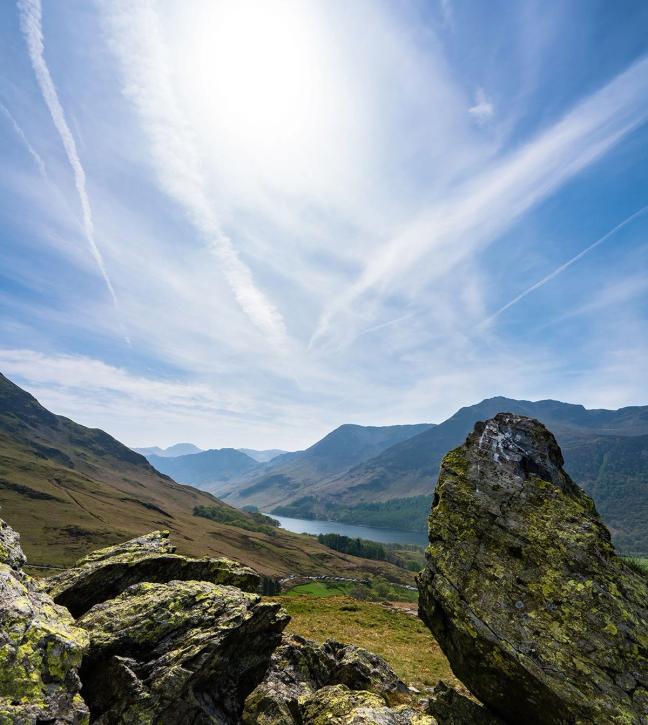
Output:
x=385 y=536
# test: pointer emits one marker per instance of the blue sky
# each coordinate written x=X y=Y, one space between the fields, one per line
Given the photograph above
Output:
x=243 y=224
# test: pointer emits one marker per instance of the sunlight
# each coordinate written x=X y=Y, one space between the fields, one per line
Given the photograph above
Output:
x=254 y=76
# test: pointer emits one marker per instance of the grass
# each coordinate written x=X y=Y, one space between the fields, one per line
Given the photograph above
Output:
x=638 y=563
x=403 y=640
x=321 y=589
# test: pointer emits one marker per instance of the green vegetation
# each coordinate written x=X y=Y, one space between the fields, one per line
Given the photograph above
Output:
x=242 y=520
x=403 y=640
x=406 y=556
x=637 y=563
x=376 y=589
x=321 y=589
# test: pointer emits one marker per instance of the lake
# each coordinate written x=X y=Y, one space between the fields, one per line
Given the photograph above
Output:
x=385 y=536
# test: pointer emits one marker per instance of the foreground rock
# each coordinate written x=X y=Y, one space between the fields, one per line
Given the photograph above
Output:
x=522 y=588
x=182 y=652
x=40 y=648
x=338 y=705
x=300 y=667
x=106 y=573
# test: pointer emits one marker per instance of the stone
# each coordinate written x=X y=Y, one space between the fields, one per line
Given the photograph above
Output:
x=106 y=573
x=300 y=667
x=180 y=652
x=452 y=708
x=522 y=588
x=40 y=648
x=338 y=705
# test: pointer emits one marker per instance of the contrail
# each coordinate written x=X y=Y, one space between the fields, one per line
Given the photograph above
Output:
x=563 y=267
x=31 y=25
x=21 y=135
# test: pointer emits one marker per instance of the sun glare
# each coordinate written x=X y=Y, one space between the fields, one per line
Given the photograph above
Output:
x=255 y=77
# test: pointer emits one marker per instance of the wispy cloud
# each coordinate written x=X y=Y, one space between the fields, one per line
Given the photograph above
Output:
x=136 y=37
x=31 y=25
x=563 y=267
x=475 y=214
x=21 y=135
x=482 y=110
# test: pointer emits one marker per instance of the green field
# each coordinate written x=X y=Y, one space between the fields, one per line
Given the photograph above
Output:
x=402 y=639
x=321 y=589
x=378 y=590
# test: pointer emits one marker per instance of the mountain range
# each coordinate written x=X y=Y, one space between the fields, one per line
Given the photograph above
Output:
x=69 y=489
x=179 y=449
x=386 y=476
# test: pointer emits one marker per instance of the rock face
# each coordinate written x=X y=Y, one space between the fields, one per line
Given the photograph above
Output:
x=182 y=652
x=106 y=573
x=522 y=589
x=40 y=648
x=338 y=705
x=300 y=667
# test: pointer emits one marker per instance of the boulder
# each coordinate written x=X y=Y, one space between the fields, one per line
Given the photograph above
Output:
x=181 y=652
x=106 y=573
x=452 y=708
x=338 y=705
x=522 y=589
x=40 y=648
x=300 y=667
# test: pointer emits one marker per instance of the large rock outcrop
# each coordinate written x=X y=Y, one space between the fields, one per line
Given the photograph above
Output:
x=182 y=652
x=106 y=573
x=40 y=648
x=300 y=667
x=522 y=588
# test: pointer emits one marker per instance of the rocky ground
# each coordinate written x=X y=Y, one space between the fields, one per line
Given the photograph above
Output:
x=522 y=589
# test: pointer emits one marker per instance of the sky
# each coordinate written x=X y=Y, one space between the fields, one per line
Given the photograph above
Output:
x=242 y=224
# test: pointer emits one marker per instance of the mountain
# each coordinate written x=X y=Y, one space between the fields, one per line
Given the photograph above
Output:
x=206 y=467
x=606 y=451
x=69 y=489
x=262 y=456
x=286 y=475
x=179 y=449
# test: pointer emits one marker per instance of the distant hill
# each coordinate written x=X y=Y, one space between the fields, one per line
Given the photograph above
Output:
x=70 y=489
x=286 y=475
x=179 y=449
x=206 y=467
x=262 y=456
x=606 y=451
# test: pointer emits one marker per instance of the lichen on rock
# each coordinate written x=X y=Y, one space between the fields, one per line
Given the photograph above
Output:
x=300 y=667
x=106 y=573
x=522 y=588
x=40 y=648
x=338 y=705
x=181 y=652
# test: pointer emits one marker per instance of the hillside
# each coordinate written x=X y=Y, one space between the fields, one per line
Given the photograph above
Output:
x=262 y=456
x=287 y=475
x=199 y=469
x=70 y=489
x=605 y=451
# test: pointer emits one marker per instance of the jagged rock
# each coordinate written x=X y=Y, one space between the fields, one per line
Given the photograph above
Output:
x=338 y=705
x=40 y=648
x=452 y=708
x=183 y=652
x=299 y=667
x=155 y=542
x=106 y=573
x=522 y=589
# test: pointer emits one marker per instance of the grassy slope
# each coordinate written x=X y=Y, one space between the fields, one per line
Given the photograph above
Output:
x=403 y=640
x=69 y=489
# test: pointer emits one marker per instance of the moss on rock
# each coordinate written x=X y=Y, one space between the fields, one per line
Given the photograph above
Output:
x=40 y=648
x=106 y=573
x=182 y=652
x=523 y=590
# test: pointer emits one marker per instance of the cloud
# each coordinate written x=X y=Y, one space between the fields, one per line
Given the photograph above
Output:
x=31 y=25
x=470 y=217
x=21 y=135
x=137 y=41
x=482 y=110
x=563 y=267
